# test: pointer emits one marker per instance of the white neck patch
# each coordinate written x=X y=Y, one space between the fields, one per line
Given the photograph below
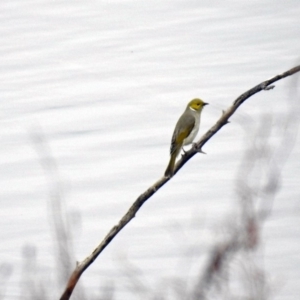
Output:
x=192 y=109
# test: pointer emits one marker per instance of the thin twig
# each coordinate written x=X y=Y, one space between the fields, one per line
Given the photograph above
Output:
x=224 y=119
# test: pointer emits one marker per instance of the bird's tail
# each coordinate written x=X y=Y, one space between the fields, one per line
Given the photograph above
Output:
x=170 y=169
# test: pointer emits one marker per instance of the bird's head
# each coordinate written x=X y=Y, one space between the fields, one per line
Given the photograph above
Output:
x=197 y=104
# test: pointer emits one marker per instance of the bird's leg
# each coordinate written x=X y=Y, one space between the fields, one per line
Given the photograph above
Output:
x=184 y=152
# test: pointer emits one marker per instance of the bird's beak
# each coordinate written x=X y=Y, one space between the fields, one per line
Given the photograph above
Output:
x=205 y=103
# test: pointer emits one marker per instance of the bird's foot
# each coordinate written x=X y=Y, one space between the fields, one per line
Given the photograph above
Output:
x=184 y=152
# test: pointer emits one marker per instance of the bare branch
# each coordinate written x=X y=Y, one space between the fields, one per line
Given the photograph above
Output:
x=224 y=119
x=255 y=205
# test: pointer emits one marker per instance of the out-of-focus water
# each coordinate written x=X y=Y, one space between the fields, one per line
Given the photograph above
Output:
x=104 y=82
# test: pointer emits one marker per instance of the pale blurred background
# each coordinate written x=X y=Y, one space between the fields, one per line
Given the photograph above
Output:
x=103 y=84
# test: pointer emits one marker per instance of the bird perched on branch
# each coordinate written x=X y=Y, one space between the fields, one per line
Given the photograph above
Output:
x=185 y=131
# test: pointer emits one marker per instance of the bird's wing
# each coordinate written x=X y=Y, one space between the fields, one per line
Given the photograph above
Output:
x=182 y=131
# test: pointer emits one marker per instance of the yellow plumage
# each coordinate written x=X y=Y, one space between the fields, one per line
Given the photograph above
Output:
x=185 y=131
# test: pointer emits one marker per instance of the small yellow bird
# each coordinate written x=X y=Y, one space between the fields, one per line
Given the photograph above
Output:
x=185 y=131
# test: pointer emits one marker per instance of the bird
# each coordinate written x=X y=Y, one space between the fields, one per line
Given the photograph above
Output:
x=185 y=131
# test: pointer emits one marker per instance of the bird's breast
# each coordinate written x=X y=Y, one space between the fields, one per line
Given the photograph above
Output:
x=193 y=133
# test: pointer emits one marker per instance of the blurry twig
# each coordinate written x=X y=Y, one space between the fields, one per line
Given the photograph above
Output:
x=223 y=120
x=61 y=230
x=64 y=247
x=258 y=183
x=6 y=271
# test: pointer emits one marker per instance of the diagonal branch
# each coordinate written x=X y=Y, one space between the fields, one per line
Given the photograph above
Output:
x=224 y=119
